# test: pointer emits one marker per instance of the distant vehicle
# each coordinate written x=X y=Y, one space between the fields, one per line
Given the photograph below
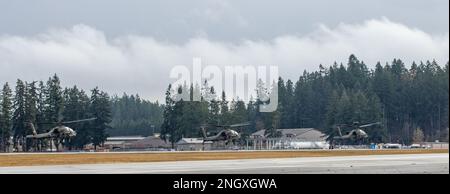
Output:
x=236 y=148
x=392 y=146
x=416 y=146
x=227 y=134
x=419 y=146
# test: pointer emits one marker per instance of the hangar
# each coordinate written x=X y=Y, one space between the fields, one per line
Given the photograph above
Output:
x=138 y=143
x=193 y=144
x=300 y=138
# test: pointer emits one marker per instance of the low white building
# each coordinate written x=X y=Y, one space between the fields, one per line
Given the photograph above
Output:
x=151 y=143
x=193 y=144
x=302 y=138
x=119 y=142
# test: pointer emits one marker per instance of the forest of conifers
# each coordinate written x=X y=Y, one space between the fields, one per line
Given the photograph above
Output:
x=405 y=100
x=404 y=97
x=46 y=103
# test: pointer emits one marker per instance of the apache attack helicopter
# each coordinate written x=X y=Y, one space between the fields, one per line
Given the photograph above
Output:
x=58 y=133
x=227 y=134
x=356 y=134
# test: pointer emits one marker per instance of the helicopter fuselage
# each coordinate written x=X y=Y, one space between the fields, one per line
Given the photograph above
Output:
x=56 y=132
x=355 y=134
x=225 y=135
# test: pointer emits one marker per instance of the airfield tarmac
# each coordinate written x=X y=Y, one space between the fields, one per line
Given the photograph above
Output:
x=368 y=164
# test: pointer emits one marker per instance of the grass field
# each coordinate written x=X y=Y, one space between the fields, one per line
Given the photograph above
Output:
x=97 y=158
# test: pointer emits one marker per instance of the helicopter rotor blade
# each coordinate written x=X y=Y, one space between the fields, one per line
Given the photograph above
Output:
x=370 y=125
x=234 y=125
x=46 y=123
x=78 y=121
x=240 y=125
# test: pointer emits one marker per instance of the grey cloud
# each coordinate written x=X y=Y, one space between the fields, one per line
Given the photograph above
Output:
x=85 y=56
x=221 y=20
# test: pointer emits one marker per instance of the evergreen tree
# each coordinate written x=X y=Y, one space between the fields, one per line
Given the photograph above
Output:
x=214 y=109
x=19 y=116
x=41 y=108
x=5 y=117
x=76 y=107
x=100 y=108
x=344 y=110
x=132 y=115
x=168 y=128
x=224 y=110
x=31 y=100
x=54 y=100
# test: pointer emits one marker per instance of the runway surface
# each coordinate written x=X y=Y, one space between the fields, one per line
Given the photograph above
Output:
x=374 y=164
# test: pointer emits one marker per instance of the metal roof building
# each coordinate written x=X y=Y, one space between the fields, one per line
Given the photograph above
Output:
x=193 y=144
x=301 y=138
x=303 y=134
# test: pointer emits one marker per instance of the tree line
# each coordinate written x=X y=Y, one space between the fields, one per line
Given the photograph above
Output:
x=411 y=103
x=132 y=115
x=404 y=100
x=46 y=103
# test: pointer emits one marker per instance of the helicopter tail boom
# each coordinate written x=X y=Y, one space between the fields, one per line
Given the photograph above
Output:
x=33 y=129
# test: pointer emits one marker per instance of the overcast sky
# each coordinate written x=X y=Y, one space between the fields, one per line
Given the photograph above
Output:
x=131 y=45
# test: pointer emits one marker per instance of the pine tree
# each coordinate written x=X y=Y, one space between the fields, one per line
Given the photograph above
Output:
x=5 y=118
x=168 y=128
x=100 y=108
x=224 y=110
x=31 y=101
x=41 y=108
x=31 y=111
x=76 y=107
x=54 y=100
x=214 y=109
x=239 y=112
x=19 y=116
x=251 y=115
x=344 y=110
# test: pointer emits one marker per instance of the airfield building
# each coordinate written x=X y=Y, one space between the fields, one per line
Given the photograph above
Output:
x=137 y=143
x=302 y=138
x=193 y=144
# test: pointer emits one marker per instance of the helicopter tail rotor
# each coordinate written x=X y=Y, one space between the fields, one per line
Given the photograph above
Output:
x=234 y=125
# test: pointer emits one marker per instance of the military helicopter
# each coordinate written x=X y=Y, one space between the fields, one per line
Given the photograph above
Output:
x=58 y=133
x=227 y=134
x=356 y=134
